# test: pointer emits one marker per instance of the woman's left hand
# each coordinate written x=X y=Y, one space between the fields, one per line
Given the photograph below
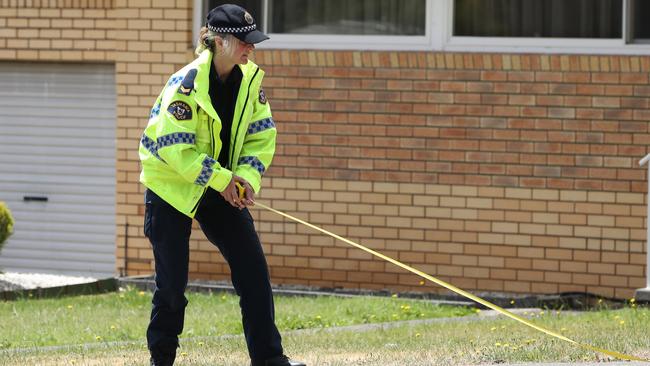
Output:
x=248 y=198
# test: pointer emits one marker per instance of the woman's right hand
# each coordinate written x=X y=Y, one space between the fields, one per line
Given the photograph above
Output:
x=231 y=195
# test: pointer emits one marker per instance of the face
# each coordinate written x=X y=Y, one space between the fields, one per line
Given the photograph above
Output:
x=242 y=51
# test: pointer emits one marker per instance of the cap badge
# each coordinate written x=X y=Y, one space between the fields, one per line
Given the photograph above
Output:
x=248 y=18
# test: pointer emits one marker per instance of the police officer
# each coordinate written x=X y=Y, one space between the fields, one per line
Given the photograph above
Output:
x=210 y=130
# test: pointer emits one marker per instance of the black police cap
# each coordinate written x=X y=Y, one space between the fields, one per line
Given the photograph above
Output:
x=235 y=20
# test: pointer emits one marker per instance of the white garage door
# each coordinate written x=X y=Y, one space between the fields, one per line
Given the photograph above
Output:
x=57 y=167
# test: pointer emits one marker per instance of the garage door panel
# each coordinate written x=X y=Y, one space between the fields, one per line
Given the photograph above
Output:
x=59 y=131
x=88 y=219
x=71 y=198
x=65 y=246
x=58 y=179
x=96 y=141
x=62 y=228
x=56 y=160
x=18 y=190
x=69 y=151
x=52 y=236
x=51 y=169
x=31 y=263
x=58 y=141
x=47 y=209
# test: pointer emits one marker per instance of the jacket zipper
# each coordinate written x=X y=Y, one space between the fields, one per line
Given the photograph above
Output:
x=241 y=116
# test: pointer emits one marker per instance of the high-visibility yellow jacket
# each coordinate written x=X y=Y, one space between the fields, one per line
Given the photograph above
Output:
x=181 y=143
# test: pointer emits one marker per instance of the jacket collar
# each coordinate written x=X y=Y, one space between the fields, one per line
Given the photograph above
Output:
x=202 y=80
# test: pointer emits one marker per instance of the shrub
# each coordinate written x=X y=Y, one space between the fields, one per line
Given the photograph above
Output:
x=6 y=223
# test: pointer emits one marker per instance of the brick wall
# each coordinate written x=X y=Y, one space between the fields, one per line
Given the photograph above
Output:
x=514 y=173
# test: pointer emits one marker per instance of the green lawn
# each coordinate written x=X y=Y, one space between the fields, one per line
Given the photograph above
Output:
x=309 y=332
x=123 y=316
x=488 y=341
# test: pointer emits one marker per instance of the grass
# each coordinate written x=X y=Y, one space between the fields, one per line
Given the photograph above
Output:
x=488 y=341
x=123 y=316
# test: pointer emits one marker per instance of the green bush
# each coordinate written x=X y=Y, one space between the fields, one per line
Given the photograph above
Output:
x=6 y=223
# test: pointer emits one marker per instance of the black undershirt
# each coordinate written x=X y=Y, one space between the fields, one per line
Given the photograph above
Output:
x=224 y=97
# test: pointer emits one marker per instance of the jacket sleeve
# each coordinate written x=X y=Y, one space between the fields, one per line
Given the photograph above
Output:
x=259 y=144
x=176 y=143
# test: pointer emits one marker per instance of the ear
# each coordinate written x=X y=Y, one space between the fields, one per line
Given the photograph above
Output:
x=219 y=42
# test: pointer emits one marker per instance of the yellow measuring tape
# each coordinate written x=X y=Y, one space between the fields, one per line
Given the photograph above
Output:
x=452 y=287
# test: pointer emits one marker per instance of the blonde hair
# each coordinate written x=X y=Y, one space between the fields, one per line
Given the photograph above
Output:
x=207 y=40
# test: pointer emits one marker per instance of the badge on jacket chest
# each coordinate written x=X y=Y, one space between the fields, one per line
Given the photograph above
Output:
x=180 y=110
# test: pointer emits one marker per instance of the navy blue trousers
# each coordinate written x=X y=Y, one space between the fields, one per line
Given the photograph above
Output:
x=233 y=232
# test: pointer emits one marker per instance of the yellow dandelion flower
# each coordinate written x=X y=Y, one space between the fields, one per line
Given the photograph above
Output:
x=621 y=322
x=417 y=334
x=493 y=329
x=393 y=295
x=477 y=311
x=632 y=300
x=223 y=297
x=318 y=317
x=113 y=327
x=541 y=312
x=69 y=306
x=498 y=344
x=506 y=345
x=141 y=293
x=183 y=354
x=98 y=338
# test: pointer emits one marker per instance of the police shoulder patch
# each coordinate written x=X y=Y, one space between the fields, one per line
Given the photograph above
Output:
x=180 y=110
x=262 y=96
x=187 y=85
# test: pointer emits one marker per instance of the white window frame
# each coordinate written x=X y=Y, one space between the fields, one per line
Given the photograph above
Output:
x=439 y=37
x=337 y=42
x=617 y=46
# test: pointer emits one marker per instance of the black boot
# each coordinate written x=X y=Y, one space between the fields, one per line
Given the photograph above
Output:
x=278 y=361
x=160 y=360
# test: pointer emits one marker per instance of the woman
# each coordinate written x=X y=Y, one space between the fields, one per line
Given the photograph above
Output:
x=210 y=130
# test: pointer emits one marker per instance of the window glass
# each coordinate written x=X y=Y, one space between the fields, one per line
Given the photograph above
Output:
x=385 y=17
x=641 y=10
x=253 y=6
x=539 y=18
